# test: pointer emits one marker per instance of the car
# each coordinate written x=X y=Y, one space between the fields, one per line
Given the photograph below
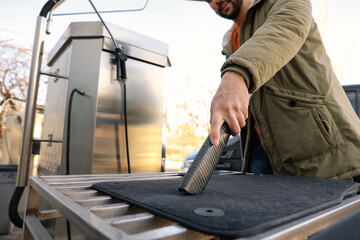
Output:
x=189 y=160
x=231 y=157
x=353 y=93
x=163 y=156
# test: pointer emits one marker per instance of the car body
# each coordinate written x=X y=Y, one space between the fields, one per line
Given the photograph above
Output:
x=163 y=156
x=231 y=157
x=353 y=93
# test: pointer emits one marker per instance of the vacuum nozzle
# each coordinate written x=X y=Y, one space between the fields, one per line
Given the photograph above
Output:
x=204 y=164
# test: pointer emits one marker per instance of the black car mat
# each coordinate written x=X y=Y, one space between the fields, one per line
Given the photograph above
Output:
x=232 y=205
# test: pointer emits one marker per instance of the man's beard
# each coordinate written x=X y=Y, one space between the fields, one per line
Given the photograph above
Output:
x=236 y=7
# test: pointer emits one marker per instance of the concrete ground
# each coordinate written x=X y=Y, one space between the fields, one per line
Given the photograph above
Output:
x=14 y=235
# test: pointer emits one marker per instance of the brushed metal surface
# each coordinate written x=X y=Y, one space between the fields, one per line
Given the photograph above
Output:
x=134 y=43
x=97 y=121
x=54 y=117
x=144 y=113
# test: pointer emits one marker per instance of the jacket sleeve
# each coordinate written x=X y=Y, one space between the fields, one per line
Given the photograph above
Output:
x=272 y=45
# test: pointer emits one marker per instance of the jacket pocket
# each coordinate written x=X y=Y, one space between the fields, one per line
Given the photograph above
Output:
x=301 y=127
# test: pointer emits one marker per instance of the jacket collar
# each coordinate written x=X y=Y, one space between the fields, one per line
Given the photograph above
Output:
x=254 y=2
x=227 y=35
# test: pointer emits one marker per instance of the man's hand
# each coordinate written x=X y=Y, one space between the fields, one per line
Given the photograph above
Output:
x=229 y=104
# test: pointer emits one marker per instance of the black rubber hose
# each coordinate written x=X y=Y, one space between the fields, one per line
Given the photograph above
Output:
x=117 y=147
x=120 y=58
x=68 y=128
x=13 y=207
x=204 y=164
x=47 y=8
x=120 y=64
x=126 y=131
x=68 y=131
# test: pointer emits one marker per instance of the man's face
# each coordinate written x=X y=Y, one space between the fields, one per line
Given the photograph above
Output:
x=229 y=9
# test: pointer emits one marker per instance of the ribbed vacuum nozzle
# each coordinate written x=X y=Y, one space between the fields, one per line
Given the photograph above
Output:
x=204 y=164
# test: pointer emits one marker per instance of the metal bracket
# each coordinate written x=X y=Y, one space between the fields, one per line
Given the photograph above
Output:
x=49 y=140
x=55 y=74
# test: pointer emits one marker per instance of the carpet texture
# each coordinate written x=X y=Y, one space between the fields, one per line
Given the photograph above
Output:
x=232 y=205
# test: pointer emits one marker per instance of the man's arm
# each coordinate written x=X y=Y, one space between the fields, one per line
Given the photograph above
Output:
x=272 y=46
x=229 y=104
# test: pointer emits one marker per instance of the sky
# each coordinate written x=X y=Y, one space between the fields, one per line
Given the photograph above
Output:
x=194 y=35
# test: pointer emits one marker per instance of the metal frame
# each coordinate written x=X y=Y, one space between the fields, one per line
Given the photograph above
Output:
x=25 y=153
x=98 y=216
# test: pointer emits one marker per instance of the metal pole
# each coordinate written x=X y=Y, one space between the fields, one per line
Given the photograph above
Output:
x=25 y=154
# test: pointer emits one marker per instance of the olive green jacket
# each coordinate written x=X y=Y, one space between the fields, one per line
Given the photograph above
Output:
x=305 y=120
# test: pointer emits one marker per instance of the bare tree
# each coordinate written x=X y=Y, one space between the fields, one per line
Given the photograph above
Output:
x=14 y=75
x=14 y=72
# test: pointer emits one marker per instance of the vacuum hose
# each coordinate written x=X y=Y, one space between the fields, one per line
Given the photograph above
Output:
x=204 y=164
x=13 y=207
x=68 y=132
x=68 y=128
x=120 y=58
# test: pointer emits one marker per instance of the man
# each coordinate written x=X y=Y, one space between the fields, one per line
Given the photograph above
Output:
x=299 y=119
